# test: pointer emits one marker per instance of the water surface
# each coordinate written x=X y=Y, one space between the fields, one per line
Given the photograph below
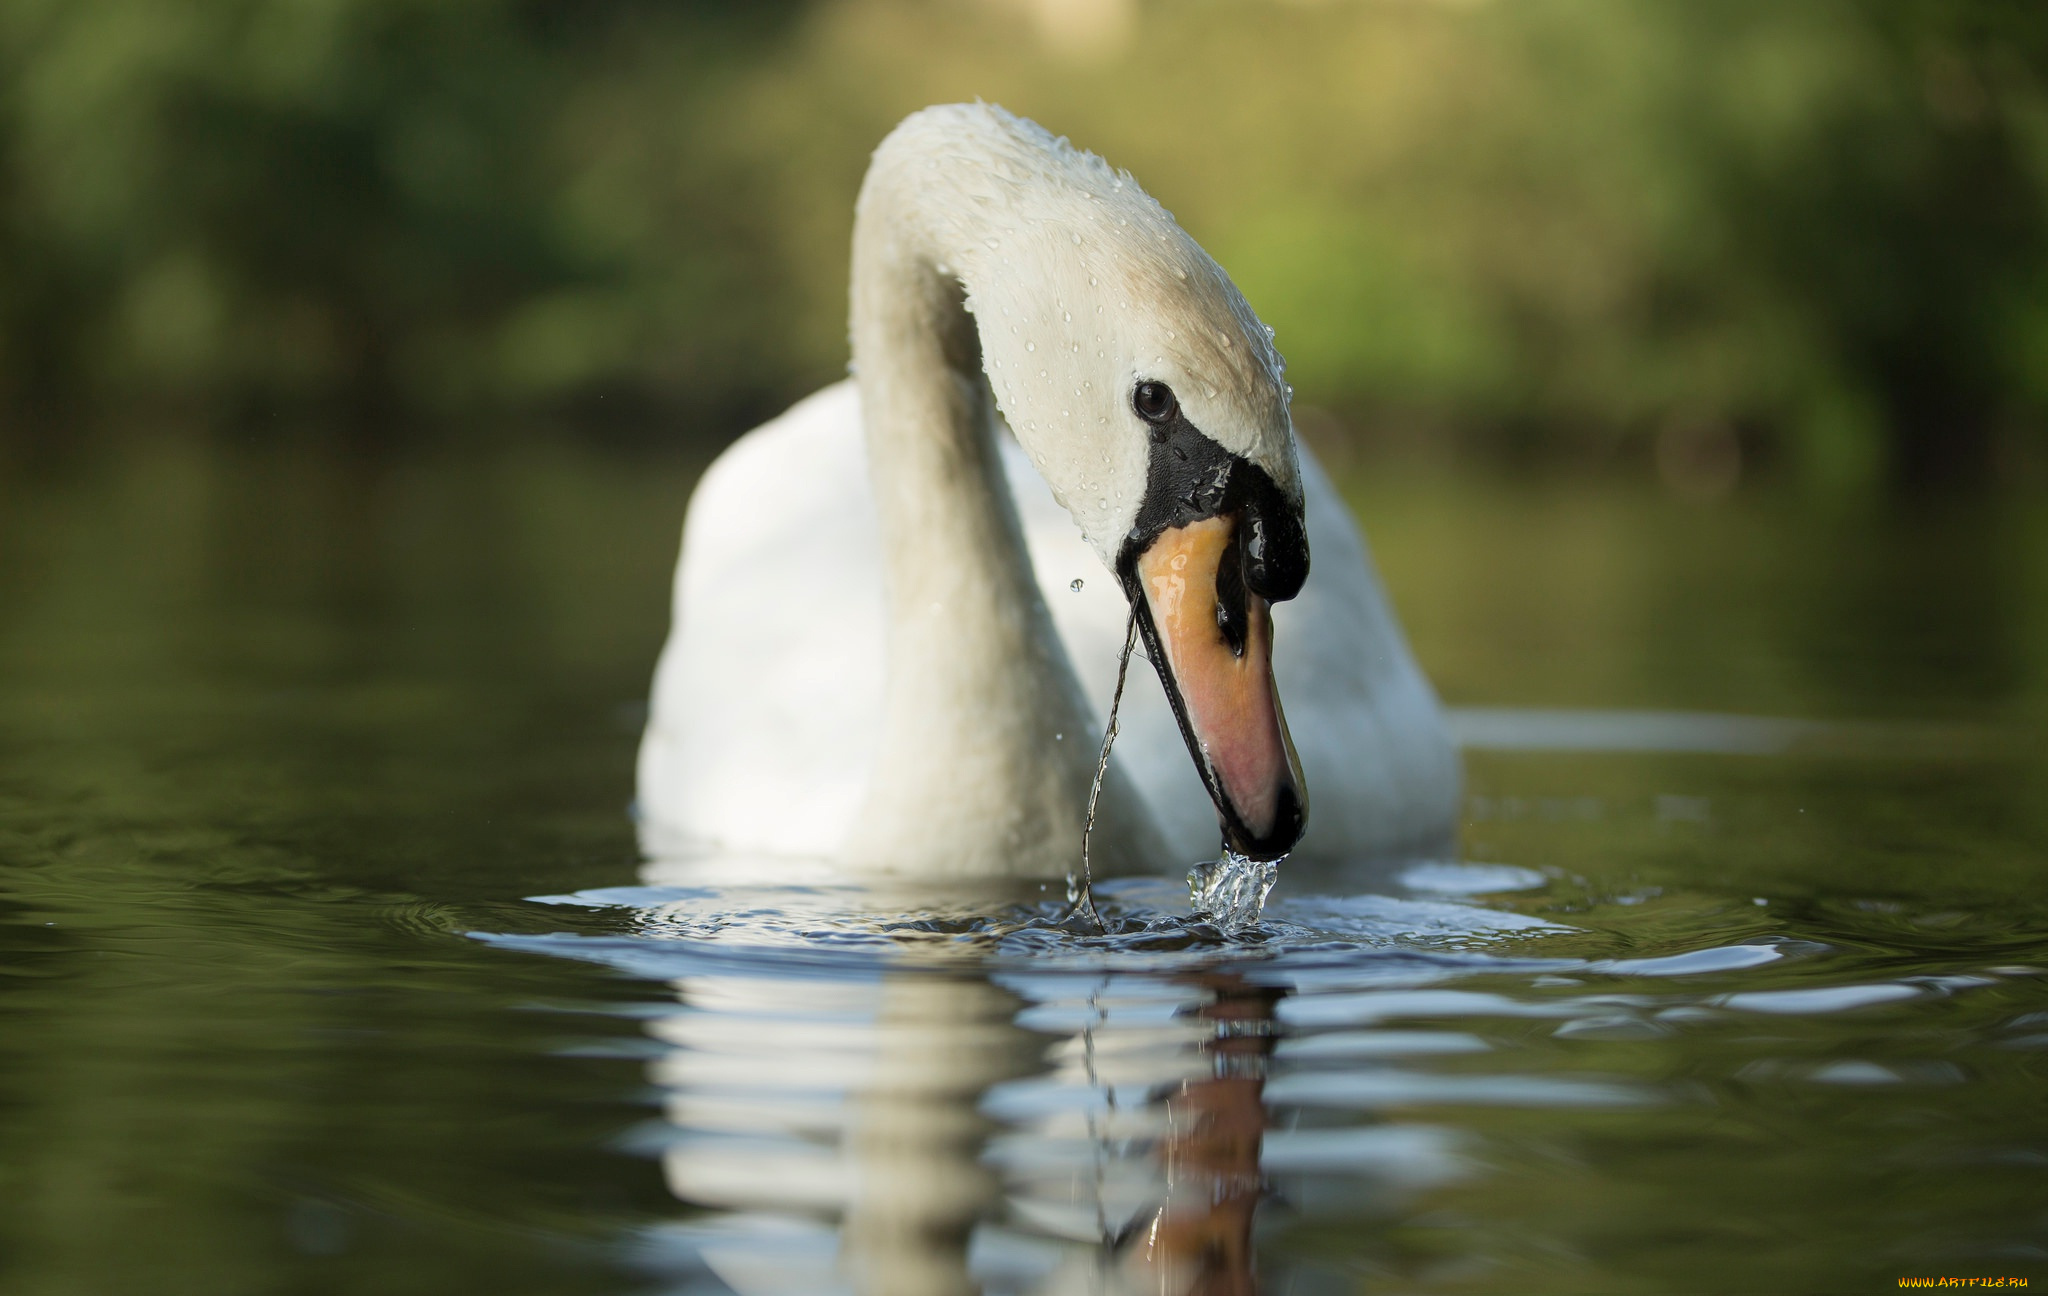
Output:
x=328 y=961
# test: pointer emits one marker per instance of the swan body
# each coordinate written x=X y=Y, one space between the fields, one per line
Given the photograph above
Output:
x=899 y=606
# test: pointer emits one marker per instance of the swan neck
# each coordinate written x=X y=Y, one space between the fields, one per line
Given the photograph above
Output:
x=986 y=743
x=948 y=526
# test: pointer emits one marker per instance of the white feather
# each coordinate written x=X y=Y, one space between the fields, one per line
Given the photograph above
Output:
x=862 y=666
x=768 y=695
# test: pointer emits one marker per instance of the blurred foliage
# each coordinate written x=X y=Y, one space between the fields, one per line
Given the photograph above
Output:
x=1814 y=233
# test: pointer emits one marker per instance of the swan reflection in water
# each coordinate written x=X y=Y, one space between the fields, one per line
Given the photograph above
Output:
x=924 y=1133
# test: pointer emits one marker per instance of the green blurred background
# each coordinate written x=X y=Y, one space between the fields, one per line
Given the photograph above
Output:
x=1707 y=244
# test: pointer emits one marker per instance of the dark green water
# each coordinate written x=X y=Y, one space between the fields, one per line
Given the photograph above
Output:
x=287 y=740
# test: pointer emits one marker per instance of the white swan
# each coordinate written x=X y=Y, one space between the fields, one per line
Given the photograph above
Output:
x=899 y=605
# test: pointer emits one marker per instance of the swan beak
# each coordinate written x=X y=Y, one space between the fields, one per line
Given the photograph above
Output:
x=1212 y=639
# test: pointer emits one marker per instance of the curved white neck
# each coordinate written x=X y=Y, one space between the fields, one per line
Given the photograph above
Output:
x=988 y=749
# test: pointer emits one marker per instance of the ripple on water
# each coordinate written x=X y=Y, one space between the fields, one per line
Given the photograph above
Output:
x=986 y=1095
x=1147 y=925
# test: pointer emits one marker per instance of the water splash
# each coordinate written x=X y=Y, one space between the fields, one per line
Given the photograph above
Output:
x=1231 y=892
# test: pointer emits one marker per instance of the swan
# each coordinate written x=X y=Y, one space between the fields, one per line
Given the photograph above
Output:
x=900 y=606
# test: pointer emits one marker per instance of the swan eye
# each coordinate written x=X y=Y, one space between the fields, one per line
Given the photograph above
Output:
x=1154 y=402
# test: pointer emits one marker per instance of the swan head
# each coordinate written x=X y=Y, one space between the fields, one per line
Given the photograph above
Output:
x=1152 y=401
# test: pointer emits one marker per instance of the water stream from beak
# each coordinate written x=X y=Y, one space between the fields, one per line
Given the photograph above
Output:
x=1081 y=894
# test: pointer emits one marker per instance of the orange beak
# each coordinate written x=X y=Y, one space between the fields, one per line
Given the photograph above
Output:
x=1212 y=639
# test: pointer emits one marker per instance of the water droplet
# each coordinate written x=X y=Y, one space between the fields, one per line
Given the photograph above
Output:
x=1068 y=316
x=1077 y=240
x=992 y=243
x=1031 y=346
x=1091 y=281
x=1075 y=585
x=1181 y=271
x=1059 y=737
x=1041 y=373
